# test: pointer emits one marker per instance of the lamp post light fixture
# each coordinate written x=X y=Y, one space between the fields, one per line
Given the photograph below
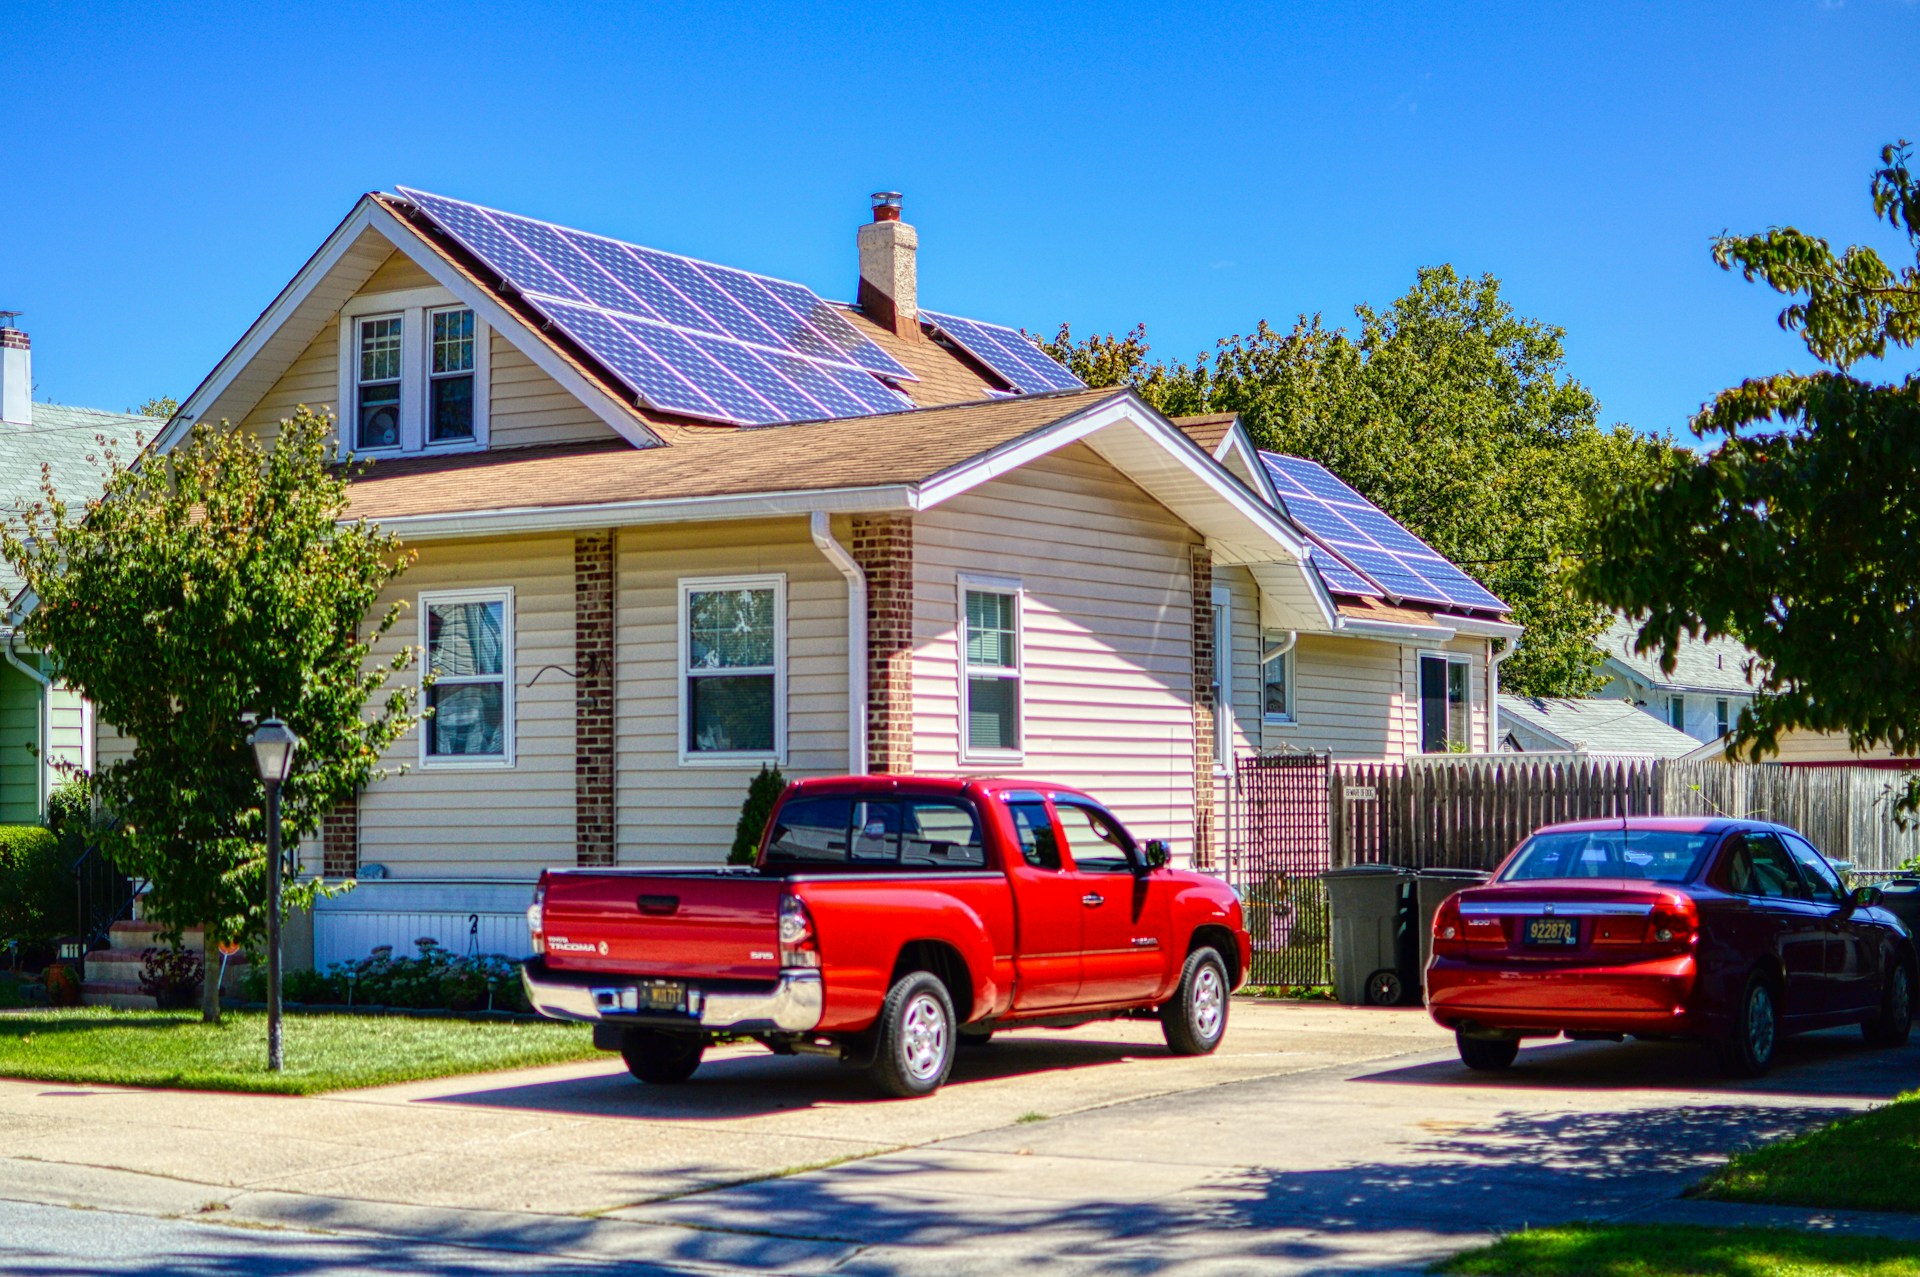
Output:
x=274 y=745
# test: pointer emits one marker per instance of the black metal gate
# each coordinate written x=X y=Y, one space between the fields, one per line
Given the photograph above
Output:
x=1278 y=848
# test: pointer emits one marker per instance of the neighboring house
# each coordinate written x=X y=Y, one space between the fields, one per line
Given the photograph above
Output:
x=43 y=725
x=675 y=521
x=1703 y=696
x=1798 y=747
x=1600 y=728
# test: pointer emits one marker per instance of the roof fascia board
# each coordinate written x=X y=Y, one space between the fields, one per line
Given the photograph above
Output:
x=1237 y=440
x=1486 y=628
x=422 y=527
x=514 y=328
x=262 y=330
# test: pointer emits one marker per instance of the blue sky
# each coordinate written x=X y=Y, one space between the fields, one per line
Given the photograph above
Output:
x=1197 y=168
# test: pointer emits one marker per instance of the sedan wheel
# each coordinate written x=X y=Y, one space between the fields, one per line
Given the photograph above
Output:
x=1894 y=1023
x=1747 y=1051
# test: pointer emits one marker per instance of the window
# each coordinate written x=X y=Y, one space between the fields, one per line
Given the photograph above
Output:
x=1095 y=840
x=377 y=403
x=1821 y=879
x=889 y=834
x=1444 y=720
x=1757 y=865
x=1038 y=846
x=469 y=642
x=990 y=699
x=1721 y=719
x=1276 y=679
x=413 y=373
x=1653 y=855
x=450 y=376
x=733 y=655
x=1677 y=713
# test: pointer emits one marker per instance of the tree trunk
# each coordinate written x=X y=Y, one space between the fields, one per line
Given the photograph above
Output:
x=210 y=985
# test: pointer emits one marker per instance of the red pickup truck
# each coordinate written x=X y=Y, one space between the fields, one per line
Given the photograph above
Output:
x=886 y=920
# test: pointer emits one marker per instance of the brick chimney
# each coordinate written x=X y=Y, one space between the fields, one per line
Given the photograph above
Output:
x=889 y=279
x=16 y=374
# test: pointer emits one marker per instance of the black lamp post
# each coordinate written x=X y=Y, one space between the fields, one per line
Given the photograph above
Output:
x=273 y=744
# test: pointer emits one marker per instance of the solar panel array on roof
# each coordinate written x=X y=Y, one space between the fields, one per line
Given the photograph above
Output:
x=1026 y=367
x=687 y=337
x=1368 y=541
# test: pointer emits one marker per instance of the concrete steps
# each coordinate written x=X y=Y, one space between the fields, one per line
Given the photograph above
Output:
x=113 y=974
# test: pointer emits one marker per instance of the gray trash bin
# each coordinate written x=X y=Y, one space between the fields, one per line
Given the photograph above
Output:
x=1901 y=897
x=1431 y=889
x=1371 y=909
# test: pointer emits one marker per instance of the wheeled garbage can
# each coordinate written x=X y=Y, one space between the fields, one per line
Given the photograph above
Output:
x=1901 y=898
x=1431 y=887
x=1371 y=908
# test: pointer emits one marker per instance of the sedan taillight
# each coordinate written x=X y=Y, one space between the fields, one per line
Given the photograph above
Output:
x=1454 y=934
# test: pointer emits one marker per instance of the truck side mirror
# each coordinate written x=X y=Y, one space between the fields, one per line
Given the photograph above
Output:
x=1157 y=853
x=1866 y=897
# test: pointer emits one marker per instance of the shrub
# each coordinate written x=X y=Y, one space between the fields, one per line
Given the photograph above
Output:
x=172 y=977
x=763 y=791
x=70 y=809
x=436 y=980
x=36 y=885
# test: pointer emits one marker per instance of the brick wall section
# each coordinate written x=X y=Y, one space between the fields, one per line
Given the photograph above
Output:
x=593 y=698
x=1203 y=685
x=883 y=547
x=340 y=840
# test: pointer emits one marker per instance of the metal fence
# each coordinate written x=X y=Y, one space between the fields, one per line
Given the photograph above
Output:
x=1281 y=850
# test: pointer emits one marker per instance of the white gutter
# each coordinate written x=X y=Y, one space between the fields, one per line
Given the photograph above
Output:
x=1493 y=691
x=821 y=526
x=40 y=723
x=1487 y=628
x=1392 y=630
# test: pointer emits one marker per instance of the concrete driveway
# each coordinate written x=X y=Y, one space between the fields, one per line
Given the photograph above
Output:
x=1319 y=1139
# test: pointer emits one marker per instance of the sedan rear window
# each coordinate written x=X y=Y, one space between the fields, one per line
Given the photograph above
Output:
x=1654 y=855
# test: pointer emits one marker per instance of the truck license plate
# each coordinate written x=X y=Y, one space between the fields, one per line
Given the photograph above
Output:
x=665 y=995
x=1552 y=931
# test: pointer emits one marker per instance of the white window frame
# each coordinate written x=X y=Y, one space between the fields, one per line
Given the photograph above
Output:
x=503 y=595
x=1292 y=717
x=1223 y=715
x=989 y=757
x=777 y=582
x=413 y=307
x=1466 y=702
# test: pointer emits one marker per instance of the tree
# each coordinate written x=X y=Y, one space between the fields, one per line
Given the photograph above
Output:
x=1449 y=411
x=162 y=407
x=208 y=584
x=1796 y=533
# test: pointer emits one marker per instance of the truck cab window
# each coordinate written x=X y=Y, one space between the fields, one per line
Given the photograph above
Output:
x=1035 y=827
x=1095 y=840
x=876 y=833
x=811 y=831
x=940 y=835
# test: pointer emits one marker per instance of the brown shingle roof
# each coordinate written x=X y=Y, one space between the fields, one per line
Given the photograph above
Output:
x=1208 y=430
x=944 y=377
x=851 y=452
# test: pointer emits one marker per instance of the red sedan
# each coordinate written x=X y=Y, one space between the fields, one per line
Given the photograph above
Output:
x=1731 y=932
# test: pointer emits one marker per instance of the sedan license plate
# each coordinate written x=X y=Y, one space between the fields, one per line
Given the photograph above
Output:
x=1552 y=931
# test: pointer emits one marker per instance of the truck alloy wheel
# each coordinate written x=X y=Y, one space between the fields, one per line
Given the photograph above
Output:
x=917 y=1035
x=1195 y=1019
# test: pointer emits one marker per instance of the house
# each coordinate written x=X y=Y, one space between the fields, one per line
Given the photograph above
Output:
x=1597 y=728
x=45 y=728
x=675 y=521
x=1799 y=747
x=1711 y=682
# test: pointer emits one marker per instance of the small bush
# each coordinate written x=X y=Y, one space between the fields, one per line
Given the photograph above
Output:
x=172 y=977
x=70 y=809
x=436 y=980
x=36 y=885
x=763 y=791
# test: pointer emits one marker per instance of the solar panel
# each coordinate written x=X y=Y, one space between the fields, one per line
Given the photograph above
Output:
x=1372 y=544
x=1026 y=367
x=687 y=337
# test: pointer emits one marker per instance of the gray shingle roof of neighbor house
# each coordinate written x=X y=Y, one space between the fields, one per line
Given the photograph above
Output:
x=1597 y=726
x=66 y=441
x=1700 y=665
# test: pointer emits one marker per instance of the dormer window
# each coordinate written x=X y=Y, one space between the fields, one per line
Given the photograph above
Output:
x=413 y=374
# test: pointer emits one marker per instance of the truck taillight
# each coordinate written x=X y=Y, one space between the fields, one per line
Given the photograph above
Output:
x=537 y=916
x=798 y=947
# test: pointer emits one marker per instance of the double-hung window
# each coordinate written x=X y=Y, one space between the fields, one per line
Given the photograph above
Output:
x=468 y=637
x=413 y=373
x=1276 y=679
x=1677 y=713
x=733 y=638
x=990 y=699
x=1444 y=720
x=1722 y=716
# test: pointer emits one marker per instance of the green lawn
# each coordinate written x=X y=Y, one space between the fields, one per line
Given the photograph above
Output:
x=323 y=1052
x=1869 y=1162
x=1647 y=1250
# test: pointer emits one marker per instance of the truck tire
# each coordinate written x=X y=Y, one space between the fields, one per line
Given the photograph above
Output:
x=1195 y=1019
x=661 y=1058
x=971 y=1036
x=1747 y=1049
x=1893 y=1023
x=915 y=1037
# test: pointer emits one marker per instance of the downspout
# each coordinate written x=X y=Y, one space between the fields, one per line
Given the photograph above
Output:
x=40 y=719
x=1493 y=691
x=822 y=528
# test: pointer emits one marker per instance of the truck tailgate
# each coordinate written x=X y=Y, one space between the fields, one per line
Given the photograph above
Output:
x=692 y=925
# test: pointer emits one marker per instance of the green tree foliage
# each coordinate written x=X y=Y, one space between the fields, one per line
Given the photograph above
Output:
x=1796 y=534
x=763 y=791
x=207 y=584
x=161 y=406
x=1449 y=411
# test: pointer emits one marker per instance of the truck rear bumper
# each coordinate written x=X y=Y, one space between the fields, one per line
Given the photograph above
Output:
x=791 y=1004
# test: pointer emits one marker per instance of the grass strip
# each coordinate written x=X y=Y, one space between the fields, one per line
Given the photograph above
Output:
x=1675 y=1250
x=1867 y=1162
x=323 y=1052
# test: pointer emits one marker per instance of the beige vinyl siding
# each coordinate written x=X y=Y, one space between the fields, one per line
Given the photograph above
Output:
x=1348 y=699
x=397 y=272
x=1475 y=650
x=667 y=811
x=313 y=380
x=109 y=746
x=529 y=407
x=1107 y=631
x=486 y=822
